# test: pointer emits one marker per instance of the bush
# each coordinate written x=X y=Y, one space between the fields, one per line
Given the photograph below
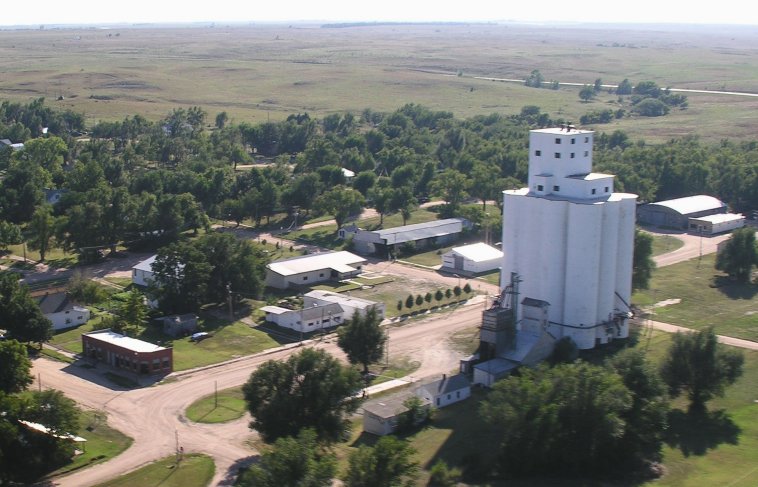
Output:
x=444 y=476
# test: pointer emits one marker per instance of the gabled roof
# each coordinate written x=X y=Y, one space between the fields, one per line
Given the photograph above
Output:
x=54 y=303
x=721 y=218
x=447 y=385
x=146 y=265
x=340 y=299
x=322 y=311
x=478 y=252
x=340 y=261
x=420 y=231
x=692 y=204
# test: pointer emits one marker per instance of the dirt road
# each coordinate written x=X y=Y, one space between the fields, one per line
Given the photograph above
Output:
x=154 y=416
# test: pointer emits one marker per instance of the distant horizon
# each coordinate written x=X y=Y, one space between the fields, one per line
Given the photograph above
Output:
x=142 y=12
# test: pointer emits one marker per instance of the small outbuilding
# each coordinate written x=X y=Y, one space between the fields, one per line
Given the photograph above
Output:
x=309 y=319
x=179 y=325
x=714 y=224
x=349 y=304
x=472 y=259
x=381 y=417
x=445 y=391
x=676 y=213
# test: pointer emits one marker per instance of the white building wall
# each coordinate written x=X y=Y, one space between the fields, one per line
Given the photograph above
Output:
x=141 y=278
x=69 y=318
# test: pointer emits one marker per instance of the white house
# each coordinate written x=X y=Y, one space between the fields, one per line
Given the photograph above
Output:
x=142 y=273
x=472 y=259
x=349 y=304
x=61 y=311
x=306 y=320
x=445 y=391
x=381 y=417
x=313 y=268
x=568 y=242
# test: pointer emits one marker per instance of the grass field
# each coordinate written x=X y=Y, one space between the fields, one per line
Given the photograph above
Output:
x=230 y=406
x=194 y=470
x=260 y=72
x=665 y=243
x=707 y=297
x=103 y=442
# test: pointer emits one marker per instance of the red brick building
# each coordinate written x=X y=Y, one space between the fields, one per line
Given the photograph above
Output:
x=123 y=352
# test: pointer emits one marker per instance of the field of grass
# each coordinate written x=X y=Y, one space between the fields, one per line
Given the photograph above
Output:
x=103 y=442
x=665 y=243
x=231 y=405
x=257 y=72
x=228 y=340
x=194 y=470
x=707 y=297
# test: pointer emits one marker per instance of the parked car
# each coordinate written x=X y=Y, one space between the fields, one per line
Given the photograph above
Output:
x=201 y=335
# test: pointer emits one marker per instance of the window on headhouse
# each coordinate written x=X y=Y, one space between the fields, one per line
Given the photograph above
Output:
x=305 y=278
x=557 y=155
x=607 y=189
x=572 y=155
x=586 y=139
x=586 y=153
x=321 y=275
x=556 y=188
x=573 y=141
x=538 y=153
x=594 y=191
x=557 y=140
x=540 y=187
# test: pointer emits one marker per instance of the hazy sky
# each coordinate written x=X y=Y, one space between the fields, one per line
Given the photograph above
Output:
x=656 y=11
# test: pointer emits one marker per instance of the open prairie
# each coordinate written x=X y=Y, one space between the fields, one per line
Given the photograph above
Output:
x=255 y=72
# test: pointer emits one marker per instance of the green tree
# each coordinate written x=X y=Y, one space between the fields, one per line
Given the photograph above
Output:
x=535 y=79
x=409 y=301
x=20 y=313
x=340 y=202
x=643 y=263
x=14 y=374
x=624 y=88
x=292 y=462
x=428 y=297
x=362 y=339
x=419 y=300
x=442 y=475
x=739 y=255
x=133 y=311
x=221 y=119
x=452 y=186
x=42 y=230
x=598 y=85
x=310 y=390
x=387 y=464
x=587 y=93
x=438 y=295
x=10 y=234
x=698 y=366
x=651 y=107
x=566 y=418
x=180 y=278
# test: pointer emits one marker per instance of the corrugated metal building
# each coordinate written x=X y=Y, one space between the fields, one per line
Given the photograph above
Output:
x=385 y=243
x=677 y=212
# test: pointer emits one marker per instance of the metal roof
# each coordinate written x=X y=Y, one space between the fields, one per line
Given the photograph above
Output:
x=720 y=218
x=420 y=231
x=340 y=261
x=341 y=299
x=146 y=265
x=125 y=342
x=478 y=252
x=447 y=385
x=692 y=204
x=322 y=311
x=54 y=303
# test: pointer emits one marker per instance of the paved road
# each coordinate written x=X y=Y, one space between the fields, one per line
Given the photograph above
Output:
x=669 y=328
x=694 y=246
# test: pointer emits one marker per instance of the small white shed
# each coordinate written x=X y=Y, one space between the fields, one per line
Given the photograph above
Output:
x=142 y=273
x=472 y=259
x=445 y=391
x=714 y=224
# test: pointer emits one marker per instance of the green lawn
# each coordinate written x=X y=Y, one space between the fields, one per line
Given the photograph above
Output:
x=194 y=470
x=663 y=244
x=228 y=340
x=103 y=442
x=55 y=257
x=231 y=405
x=707 y=297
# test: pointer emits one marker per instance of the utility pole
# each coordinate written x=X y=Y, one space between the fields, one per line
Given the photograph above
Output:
x=229 y=299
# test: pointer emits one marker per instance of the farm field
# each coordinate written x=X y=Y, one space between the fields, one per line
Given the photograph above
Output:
x=257 y=72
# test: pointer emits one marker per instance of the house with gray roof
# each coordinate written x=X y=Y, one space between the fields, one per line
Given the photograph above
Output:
x=386 y=242
x=309 y=319
x=445 y=391
x=62 y=311
x=313 y=268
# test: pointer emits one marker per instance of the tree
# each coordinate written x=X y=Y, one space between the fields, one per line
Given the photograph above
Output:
x=221 y=119
x=698 y=366
x=419 y=300
x=20 y=313
x=441 y=475
x=310 y=390
x=362 y=339
x=739 y=255
x=624 y=88
x=133 y=311
x=643 y=263
x=598 y=85
x=566 y=418
x=42 y=229
x=180 y=278
x=409 y=301
x=10 y=234
x=387 y=464
x=14 y=374
x=292 y=462
x=651 y=107
x=535 y=79
x=451 y=185
x=587 y=93
x=438 y=295
x=340 y=202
